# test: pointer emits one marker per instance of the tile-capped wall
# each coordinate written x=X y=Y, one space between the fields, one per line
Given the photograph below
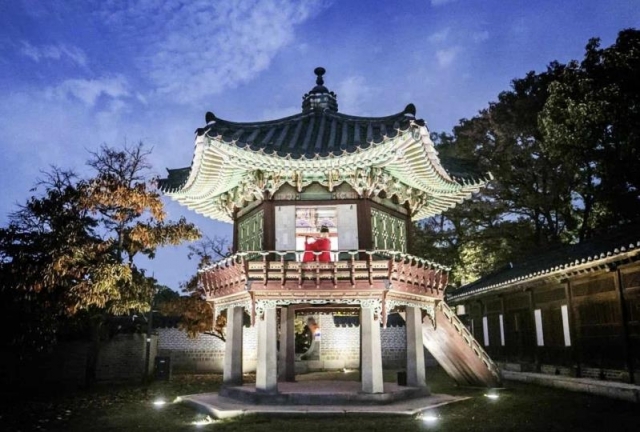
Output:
x=339 y=348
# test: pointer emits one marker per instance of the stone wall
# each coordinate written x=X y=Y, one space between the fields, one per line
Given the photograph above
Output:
x=339 y=347
x=123 y=357
x=203 y=353
x=394 y=347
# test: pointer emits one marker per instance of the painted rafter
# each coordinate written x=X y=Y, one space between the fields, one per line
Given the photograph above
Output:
x=224 y=176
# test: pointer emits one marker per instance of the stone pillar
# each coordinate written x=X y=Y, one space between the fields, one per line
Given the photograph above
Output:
x=415 y=348
x=286 y=353
x=371 y=352
x=232 y=372
x=267 y=368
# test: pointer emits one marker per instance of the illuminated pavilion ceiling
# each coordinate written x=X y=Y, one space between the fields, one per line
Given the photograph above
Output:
x=236 y=163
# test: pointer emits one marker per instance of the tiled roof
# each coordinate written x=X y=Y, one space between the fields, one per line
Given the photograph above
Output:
x=310 y=134
x=235 y=162
x=612 y=247
x=313 y=135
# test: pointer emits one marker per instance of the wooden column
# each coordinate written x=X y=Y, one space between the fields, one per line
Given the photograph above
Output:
x=415 y=348
x=267 y=368
x=234 y=245
x=371 y=349
x=232 y=370
x=573 y=329
x=269 y=226
x=410 y=232
x=501 y=327
x=286 y=353
x=365 y=240
x=624 y=318
x=536 y=348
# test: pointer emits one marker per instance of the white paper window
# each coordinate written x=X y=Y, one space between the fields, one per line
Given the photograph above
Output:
x=485 y=330
x=285 y=228
x=501 y=330
x=348 y=226
x=565 y=325
x=538 y=318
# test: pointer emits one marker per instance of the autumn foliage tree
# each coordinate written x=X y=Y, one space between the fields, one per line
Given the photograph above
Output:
x=196 y=314
x=54 y=264
x=69 y=252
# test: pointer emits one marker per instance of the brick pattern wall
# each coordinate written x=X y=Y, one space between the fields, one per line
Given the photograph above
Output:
x=203 y=353
x=123 y=357
x=339 y=348
x=394 y=347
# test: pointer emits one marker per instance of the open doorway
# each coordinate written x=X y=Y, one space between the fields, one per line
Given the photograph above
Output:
x=310 y=219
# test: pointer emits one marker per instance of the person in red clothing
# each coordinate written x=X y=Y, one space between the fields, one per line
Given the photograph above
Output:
x=321 y=244
x=308 y=250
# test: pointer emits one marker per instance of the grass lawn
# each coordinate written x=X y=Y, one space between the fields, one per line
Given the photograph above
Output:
x=520 y=407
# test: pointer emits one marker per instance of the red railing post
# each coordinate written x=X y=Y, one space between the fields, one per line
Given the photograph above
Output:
x=369 y=272
x=352 y=269
x=265 y=267
x=282 y=271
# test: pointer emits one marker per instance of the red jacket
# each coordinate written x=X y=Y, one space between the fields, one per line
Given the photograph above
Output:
x=308 y=254
x=322 y=245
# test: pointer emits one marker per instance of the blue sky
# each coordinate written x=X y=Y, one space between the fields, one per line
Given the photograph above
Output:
x=76 y=74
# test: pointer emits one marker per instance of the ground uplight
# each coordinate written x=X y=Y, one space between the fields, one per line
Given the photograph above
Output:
x=428 y=418
x=159 y=402
x=204 y=421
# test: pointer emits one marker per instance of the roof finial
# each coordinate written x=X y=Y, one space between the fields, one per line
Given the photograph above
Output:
x=319 y=71
x=319 y=98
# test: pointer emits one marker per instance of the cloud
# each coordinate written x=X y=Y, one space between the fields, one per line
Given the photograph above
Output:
x=54 y=52
x=353 y=93
x=440 y=36
x=446 y=57
x=441 y=2
x=193 y=50
x=90 y=90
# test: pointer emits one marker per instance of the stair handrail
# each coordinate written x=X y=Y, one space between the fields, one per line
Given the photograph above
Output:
x=470 y=340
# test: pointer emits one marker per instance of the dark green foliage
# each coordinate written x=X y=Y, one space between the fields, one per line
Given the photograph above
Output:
x=563 y=148
x=67 y=254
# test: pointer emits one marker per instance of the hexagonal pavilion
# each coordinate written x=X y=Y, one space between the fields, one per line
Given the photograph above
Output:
x=360 y=180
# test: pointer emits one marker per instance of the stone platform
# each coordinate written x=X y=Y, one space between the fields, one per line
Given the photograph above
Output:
x=317 y=398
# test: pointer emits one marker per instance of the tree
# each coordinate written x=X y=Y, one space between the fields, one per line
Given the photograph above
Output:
x=591 y=123
x=53 y=262
x=195 y=312
x=70 y=251
x=563 y=148
x=524 y=208
x=131 y=218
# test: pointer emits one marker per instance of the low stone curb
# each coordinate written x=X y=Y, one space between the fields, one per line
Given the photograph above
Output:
x=614 y=390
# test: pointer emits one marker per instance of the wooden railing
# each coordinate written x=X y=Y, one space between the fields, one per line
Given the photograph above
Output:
x=283 y=267
x=468 y=338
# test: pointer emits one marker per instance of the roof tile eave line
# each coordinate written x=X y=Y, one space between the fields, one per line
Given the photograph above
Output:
x=302 y=115
x=554 y=269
